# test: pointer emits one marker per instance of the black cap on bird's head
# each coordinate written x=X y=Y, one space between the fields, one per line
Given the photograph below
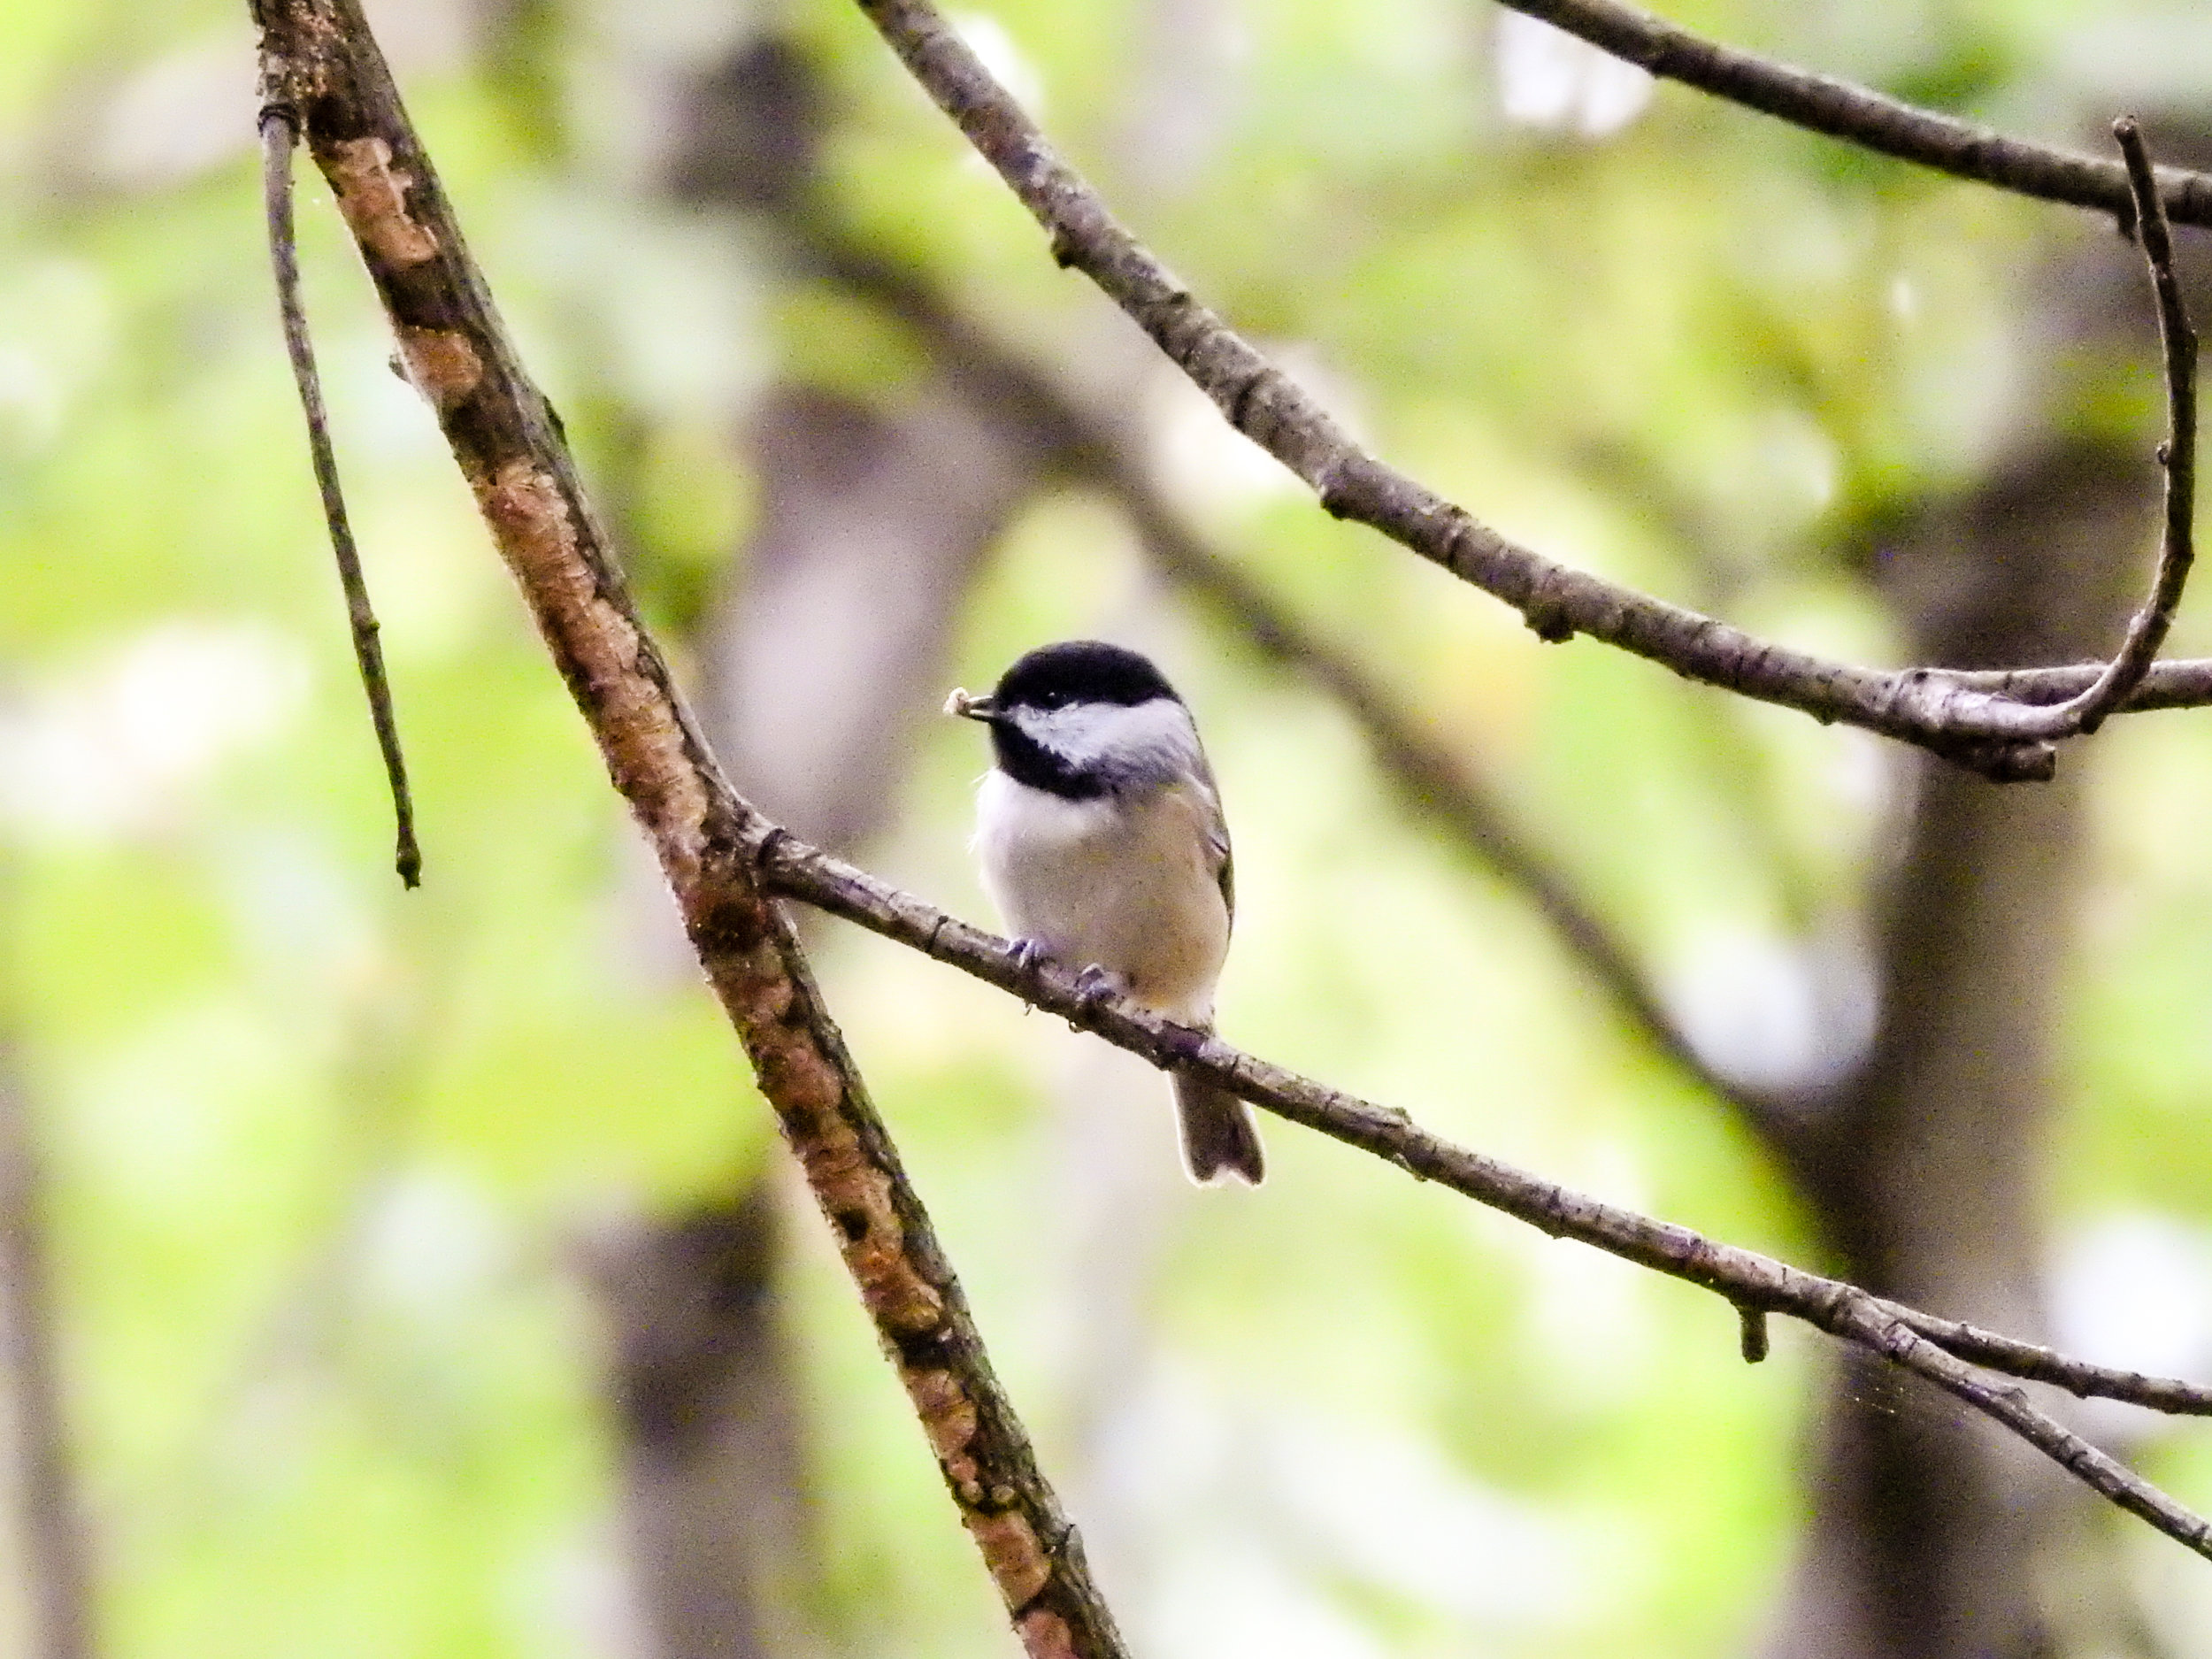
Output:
x=1070 y=672
x=1057 y=719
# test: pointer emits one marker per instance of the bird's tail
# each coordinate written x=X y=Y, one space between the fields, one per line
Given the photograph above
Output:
x=1220 y=1137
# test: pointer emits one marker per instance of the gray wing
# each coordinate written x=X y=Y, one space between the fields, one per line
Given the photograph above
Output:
x=1217 y=837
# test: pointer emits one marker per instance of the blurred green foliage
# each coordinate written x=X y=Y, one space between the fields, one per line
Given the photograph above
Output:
x=322 y=1152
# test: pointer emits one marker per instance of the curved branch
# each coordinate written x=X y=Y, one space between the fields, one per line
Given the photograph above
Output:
x=2087 y=709
x=1990 y=734
x=2178 y=343
x=323 y=73
x=1915 y=1341
x=1858 y=116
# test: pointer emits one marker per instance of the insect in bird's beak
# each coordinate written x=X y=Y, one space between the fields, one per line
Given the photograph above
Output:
x=970 y=708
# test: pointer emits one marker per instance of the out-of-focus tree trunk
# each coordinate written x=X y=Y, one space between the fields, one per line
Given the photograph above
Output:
x=709 y=1431
x=48 y=1529
x=1933 y=1536
x=1926 y=1178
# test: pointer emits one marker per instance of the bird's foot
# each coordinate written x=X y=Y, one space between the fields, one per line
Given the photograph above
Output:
x=1094 y=985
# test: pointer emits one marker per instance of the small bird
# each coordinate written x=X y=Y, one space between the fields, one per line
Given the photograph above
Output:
x=1103 y=843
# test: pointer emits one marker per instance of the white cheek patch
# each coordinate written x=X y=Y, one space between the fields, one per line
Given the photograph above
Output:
x=1155 y=738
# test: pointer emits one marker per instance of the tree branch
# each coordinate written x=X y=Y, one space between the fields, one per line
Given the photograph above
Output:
x=322 y=72
x=1917 y=1342
x=2085 y=711
x=1866 y=118
x=279 y=134
x=1988 y=733
x=2177 y=343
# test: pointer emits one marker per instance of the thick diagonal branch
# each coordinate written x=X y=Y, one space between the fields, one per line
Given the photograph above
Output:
x=323 y=71
x=1990 y=734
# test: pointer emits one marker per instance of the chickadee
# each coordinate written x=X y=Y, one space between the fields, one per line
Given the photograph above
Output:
x=1102 y=844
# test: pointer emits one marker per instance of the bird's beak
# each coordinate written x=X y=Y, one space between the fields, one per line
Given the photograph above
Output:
x=970 y=708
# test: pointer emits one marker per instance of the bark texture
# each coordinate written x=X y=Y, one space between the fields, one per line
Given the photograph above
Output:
x=820 y=651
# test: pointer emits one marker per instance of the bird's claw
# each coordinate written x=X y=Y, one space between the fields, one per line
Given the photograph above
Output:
x=1094 y=985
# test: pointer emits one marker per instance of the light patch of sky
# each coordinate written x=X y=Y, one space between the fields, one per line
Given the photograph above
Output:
x=120 y=745
x=1772 y=1012
x=1237 y=1511
x=1238 y=1600
x=432 y=1246
x=1904 y=300
x=2135 y=1289
x=1581 y=1298
x=176 y=117
x=1207 y=465
x=577 y=1598
x=988 y=39
x=165 y=1117
x=303 y=916
x=1795 y=454
x=56 y=334
x=1392 y=1511
x=1548 y=79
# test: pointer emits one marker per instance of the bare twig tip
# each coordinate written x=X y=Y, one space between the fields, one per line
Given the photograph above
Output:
x=1754 y=1333
x=280 y=133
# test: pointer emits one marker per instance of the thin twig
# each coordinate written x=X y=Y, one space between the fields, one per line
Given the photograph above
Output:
x=278 y=135
x=2086 y=711
x=319 y=58
x=1991 y=735
x=2034 y=1363
x=2177 y=683
x=50 y=1526
x=1864 y=118
x=1745 y=1278
x=2178 y=341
